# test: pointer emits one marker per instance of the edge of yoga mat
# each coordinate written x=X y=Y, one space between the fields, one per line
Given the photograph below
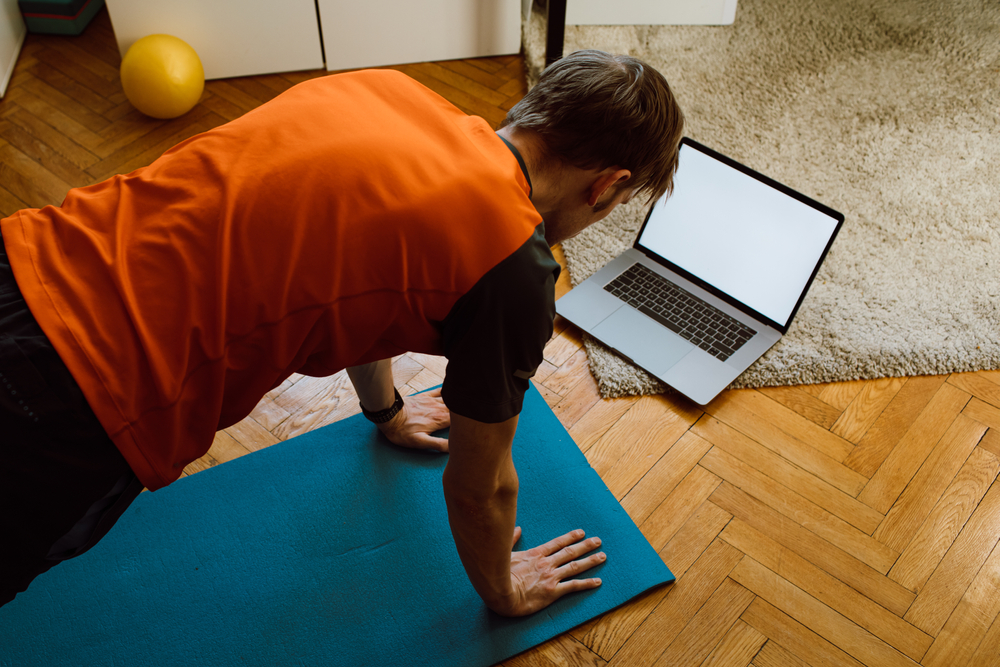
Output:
x=330 y=548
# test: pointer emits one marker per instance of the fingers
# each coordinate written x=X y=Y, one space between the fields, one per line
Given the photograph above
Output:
x=561 y=542
x=429 y=442
x=517 y=536
x=575 y=567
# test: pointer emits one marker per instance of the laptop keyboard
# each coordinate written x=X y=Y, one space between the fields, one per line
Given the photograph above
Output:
x=680 y=311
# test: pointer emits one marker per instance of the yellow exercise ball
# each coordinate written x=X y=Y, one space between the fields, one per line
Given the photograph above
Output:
x=162 y=76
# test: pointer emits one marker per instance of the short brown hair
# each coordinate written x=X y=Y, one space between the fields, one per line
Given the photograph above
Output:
x=597 y=110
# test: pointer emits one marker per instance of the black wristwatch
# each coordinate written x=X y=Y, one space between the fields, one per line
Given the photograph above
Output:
x=382 y=416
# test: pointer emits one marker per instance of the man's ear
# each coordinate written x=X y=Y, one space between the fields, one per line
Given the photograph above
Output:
x=607 y=179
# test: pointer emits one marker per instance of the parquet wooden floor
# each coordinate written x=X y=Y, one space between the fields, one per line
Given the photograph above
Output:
x=854 y=523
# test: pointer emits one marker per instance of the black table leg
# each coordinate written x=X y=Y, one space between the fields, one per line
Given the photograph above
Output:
x=555 y=31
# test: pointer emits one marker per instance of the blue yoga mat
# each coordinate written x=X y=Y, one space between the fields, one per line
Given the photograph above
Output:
x=329 y=549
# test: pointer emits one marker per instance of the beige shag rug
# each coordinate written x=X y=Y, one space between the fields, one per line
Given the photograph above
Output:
x=886 y=110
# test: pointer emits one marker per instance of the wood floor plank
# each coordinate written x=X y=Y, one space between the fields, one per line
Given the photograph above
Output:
x=908 y=455
x=828 y=557
x=599 y=420
x=793 y=424
x=39 y=151
x=969 y=623
x=72 y=151
x=708 y=627
x=943 y=524
x=892 y=424
x=608 y=633
x=579 y=400
x=840 y=597
x=988 y=652
x=773 y=655
x=144 y=151
x=984 y=413
x=794 y=637
x=643 y=453
x=73 y=89
x=62 y=102
x=737 y=415
x=637 y=441
x=431 y=362
x=569 y=373
x=424 y=380
x=28 y=180
x=818 y=617
x=776 y=467
x=866 y=408
x=951 y=579
x=269 y=414
x=77 y=62
x=738 y=648
x=927 y=486
x=563 y=651
x=314 y=402
x=9 y=202
x=683 y=601
x=493 y=81
x=563 y=346
x=804 y=403
x=664 y=476
x=492 y=113
x=224 y=448
x=977 y=385
x=841 y=394
x=806 y=514
x=991 y=441
x=668 y=518
x=252 y=435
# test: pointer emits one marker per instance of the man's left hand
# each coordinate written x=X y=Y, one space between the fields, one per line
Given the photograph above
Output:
x=422 y=415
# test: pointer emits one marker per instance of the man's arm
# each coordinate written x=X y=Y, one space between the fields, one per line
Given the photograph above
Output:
x=422 y=414
x=480 y=488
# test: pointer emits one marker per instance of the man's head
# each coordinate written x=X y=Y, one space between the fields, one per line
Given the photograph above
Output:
x=593 y=110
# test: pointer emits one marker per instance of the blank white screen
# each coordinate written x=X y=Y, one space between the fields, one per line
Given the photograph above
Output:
x=741 y=236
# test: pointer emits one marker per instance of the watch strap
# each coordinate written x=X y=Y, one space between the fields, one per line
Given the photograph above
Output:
x=382 y=416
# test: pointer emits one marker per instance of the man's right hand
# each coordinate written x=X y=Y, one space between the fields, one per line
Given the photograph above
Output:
x=542 y=575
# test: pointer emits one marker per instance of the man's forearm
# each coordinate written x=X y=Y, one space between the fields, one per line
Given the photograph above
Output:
x=480 y=488
x=374 y=384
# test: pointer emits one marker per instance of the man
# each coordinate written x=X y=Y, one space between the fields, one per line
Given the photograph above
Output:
x=351 y=219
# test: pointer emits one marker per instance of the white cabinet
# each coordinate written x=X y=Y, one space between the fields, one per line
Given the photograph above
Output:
x=390 y=32
x=232 y=38
x=12 y=32
x=650 y=12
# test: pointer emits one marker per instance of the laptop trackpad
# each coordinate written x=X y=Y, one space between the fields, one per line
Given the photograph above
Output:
x=649 y=344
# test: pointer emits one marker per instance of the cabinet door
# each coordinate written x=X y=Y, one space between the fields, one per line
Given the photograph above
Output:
x=390 y=32
x=232 y=37
x=12 y=33
x=650 y=12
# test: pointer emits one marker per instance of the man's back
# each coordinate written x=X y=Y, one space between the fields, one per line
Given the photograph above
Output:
x=334 y=226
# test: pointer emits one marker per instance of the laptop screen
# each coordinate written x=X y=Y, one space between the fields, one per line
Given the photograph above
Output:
x=740 y=233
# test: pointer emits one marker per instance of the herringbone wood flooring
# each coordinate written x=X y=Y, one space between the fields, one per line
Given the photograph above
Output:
x=845 y=524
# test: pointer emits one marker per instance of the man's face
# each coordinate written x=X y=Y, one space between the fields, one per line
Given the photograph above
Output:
x=567 y=224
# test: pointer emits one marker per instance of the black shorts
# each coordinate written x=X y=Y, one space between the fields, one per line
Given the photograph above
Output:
x=63 y=483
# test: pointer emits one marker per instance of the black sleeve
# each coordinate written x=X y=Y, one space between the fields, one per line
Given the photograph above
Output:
x=496 y=333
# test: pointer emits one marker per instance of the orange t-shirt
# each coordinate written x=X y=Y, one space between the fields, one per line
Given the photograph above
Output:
x=336 y=225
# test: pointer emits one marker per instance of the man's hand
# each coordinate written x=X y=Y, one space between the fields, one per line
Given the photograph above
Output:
x=542 y=575
x=422 y=414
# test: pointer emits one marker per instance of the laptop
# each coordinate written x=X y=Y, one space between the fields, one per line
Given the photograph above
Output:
x=715 y=276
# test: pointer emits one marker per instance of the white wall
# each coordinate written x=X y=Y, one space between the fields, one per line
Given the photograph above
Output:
x=232 y=37
x=12 y=32
x=371 y=33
